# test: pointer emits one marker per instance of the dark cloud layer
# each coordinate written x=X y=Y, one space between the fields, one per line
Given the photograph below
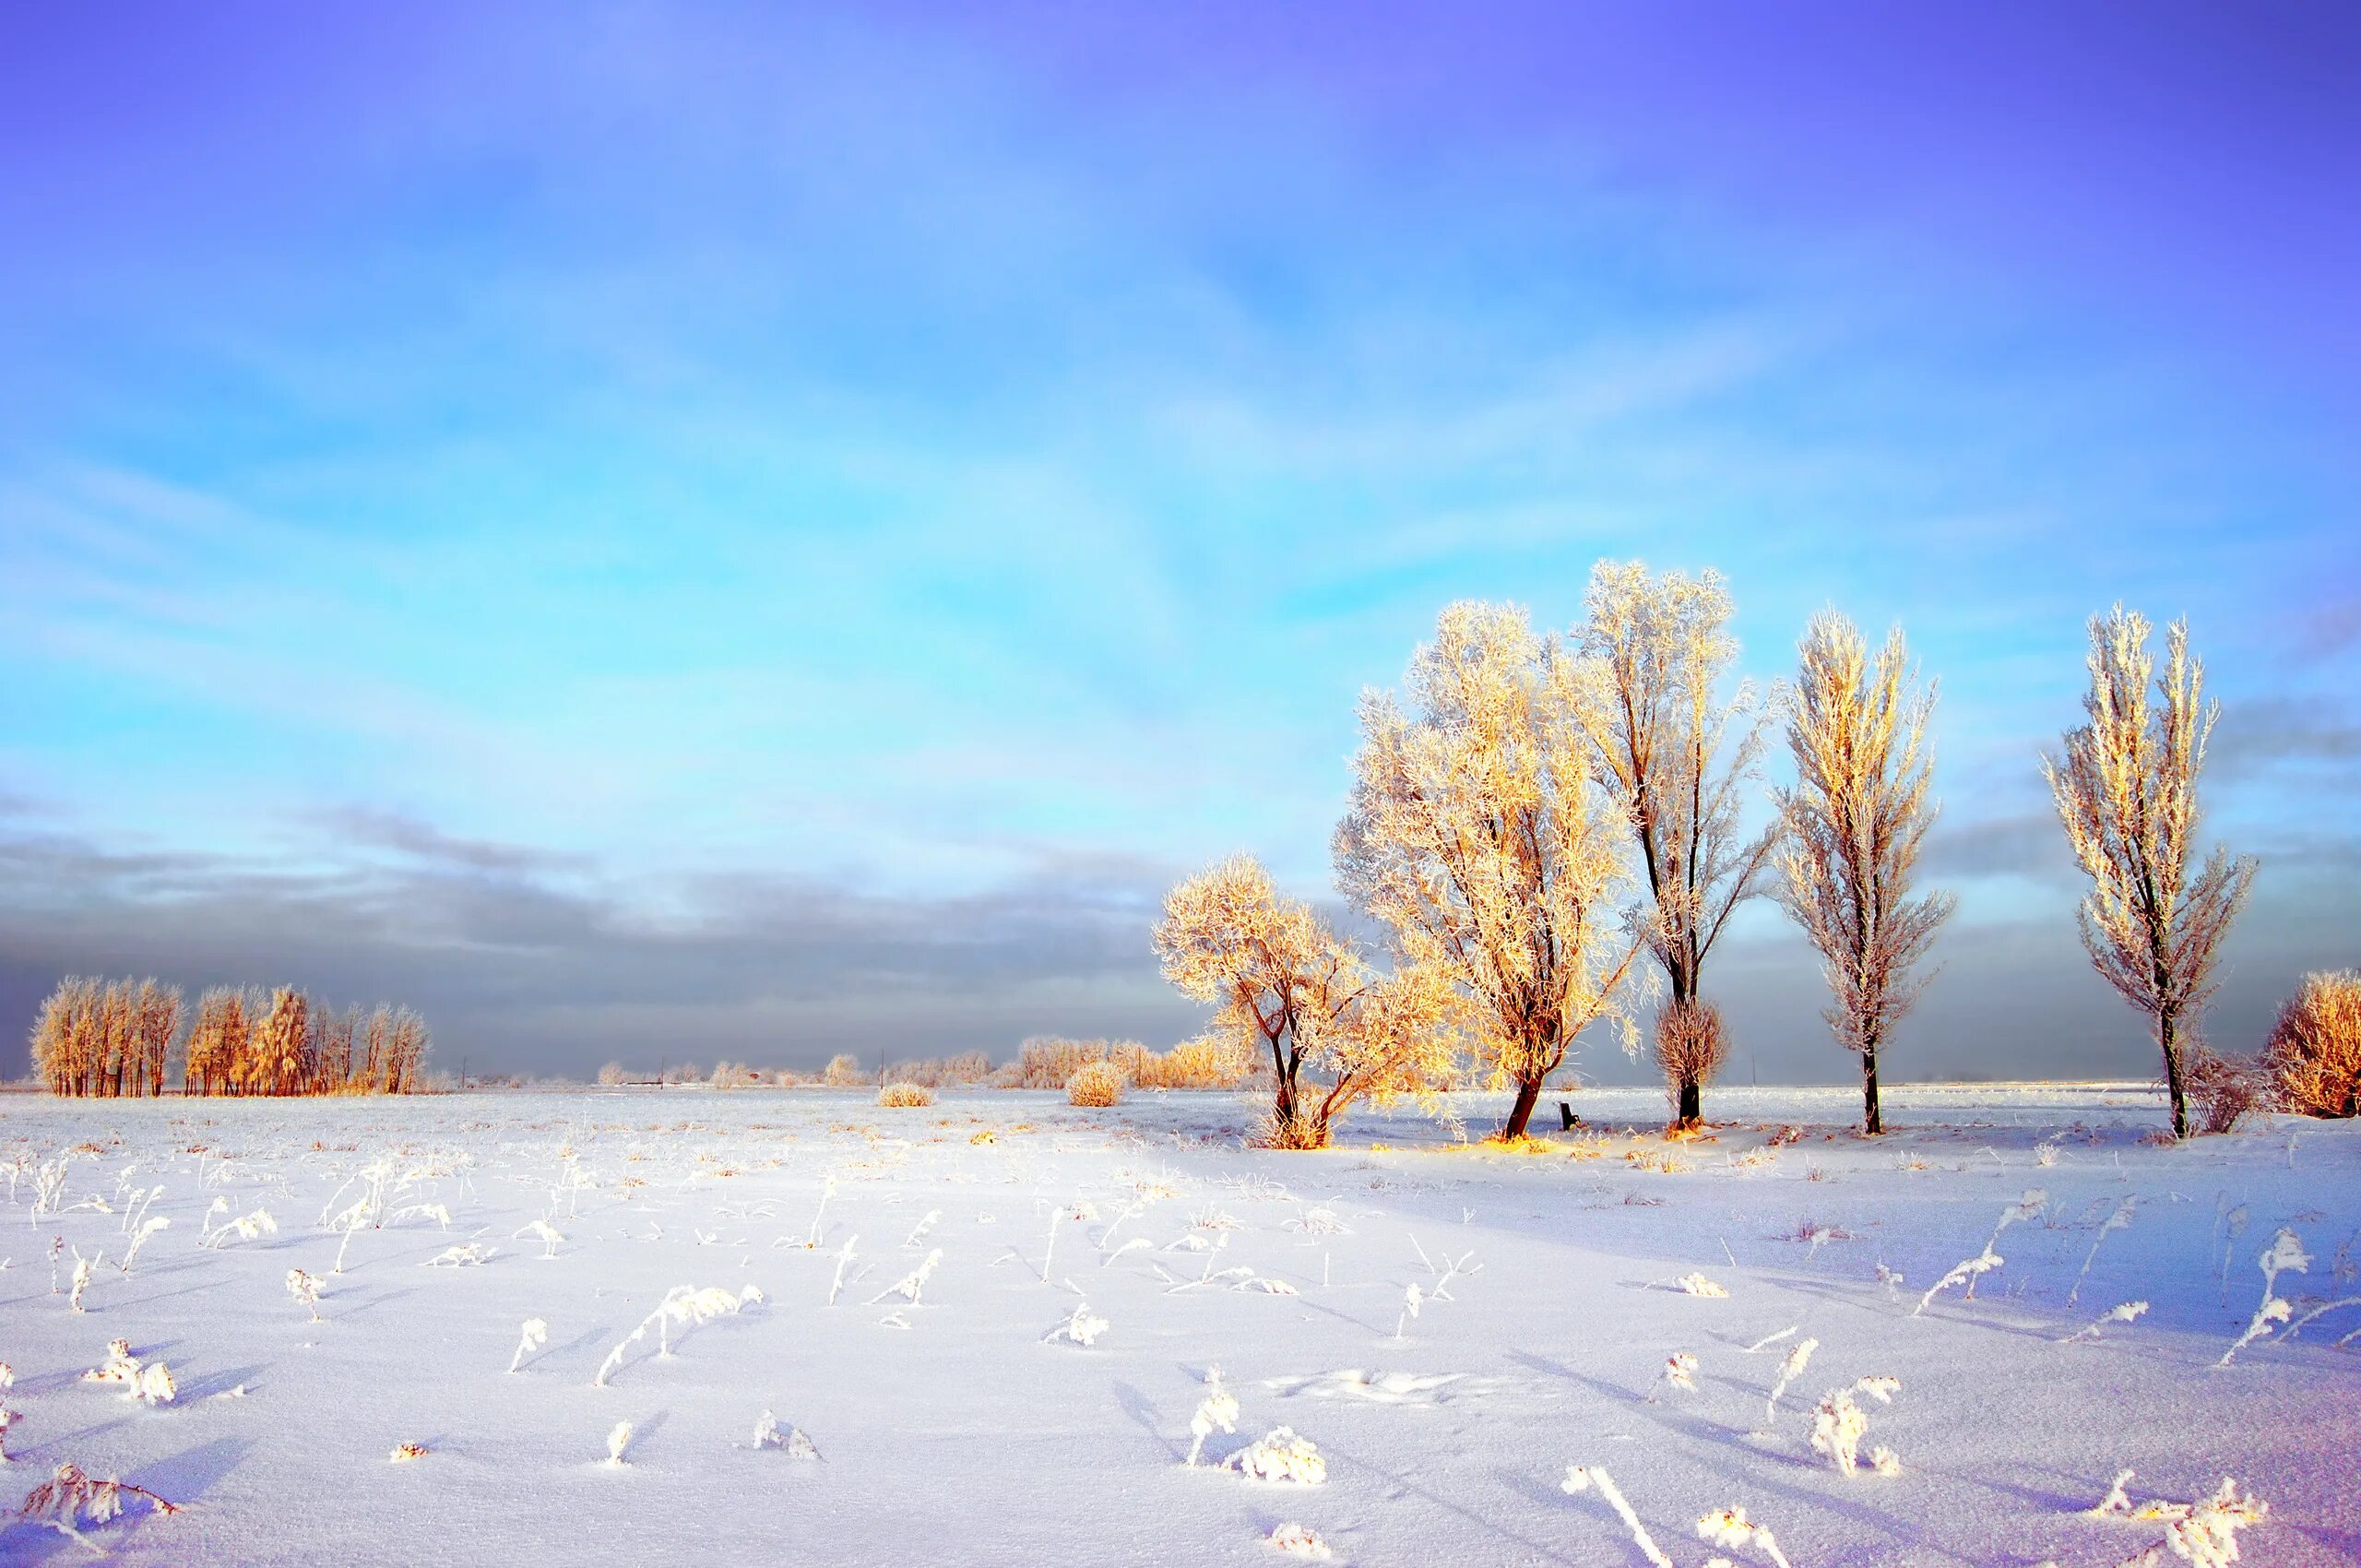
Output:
x=531 y=962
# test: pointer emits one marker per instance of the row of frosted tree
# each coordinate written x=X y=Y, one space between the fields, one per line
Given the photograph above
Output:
x=1549 y=830
x=114 y=1038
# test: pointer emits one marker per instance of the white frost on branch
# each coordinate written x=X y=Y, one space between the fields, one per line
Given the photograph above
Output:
x=684 y=1305
x=1592 y=1477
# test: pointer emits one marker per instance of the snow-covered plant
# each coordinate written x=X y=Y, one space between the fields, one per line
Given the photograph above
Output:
x=913 y=1284
x=2203 y=1533
x=1770 y=1339
x=245 y=1227
x=305 y=1288
x=2285 y=1254
x=1591 y=1477
x=1412 y=1298
x=546 y=1231
x=142 y=1237
x=1083 y=1328
x=436 y=1211
x=1838 y=1425
x=2025 y=1208
x=768 y=1435
x=536 y=1334
x=82 y=1267
x=618 y=1439
x=917 y=1231
x=2119 y=1221
x=1281 y=1456
x=1681 y=1371
x=1698 y=1285
x=1963 y=1273
x=1799 y=1358
x=8 y=1419
x=56 y=1252
x=844 y=1257
x=1295 y=1540
x=1732 y=1529
x=404 y=1452
x=70 y=1502
x=463 y=1254
x=683 y=1305
x=1079 y=1211
x=2122 y=1311
x=1892 y=1281
x=1218 y=1409
x=827 y=1190
x=149 y=1384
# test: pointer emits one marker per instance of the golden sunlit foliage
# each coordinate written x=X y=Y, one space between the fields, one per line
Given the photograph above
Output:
x=2313 y=1056
x=1853 y=823
x=1289 y=986
x=2126 y=788
x=1479 y=838
x=1679 y=756
x=117 y=1038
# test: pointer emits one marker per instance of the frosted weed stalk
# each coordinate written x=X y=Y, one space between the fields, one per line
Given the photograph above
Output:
x=536 y=1334
x=1581 y=1479
x=1218 y=1409
x=1732 y=1529
x=686 y=1306
x=2203 y=1533
x=1838 y=1425
x=2119 y=1221
x=2285 y=1254
x=71 y=1501
x=1789 y=1370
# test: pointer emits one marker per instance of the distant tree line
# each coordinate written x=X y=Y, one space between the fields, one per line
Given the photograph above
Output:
x=120 y=1038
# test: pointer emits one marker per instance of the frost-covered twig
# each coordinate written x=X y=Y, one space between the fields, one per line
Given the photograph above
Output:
x=142 y=1237
x=1082 y=1327
x=1965 y=1272
x=913 y=1284
x=2119 y=1221
x=82 y=1267
x=1789 y=1370
x=71 y=1501
x=248 y=1227
x=618 y=1439
x=305 y=1288
x=2122 y=1311
x=1592 y=1477
x=844 y=1257
x=2026 y=1207
x=1838 y=1425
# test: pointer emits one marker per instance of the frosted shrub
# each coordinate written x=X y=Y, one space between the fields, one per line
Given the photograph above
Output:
x=245 y=1227
x=1280 y=1455
x=1732 y=1529
x=2285 y=1254
x=1698 y=1285
x=1218 y=1409
x=70 y=1502
x=1096 y=1084
x=535 y=1335
x=2313 y=1057
x=2204 y=1533
x=1295 y=1541
x=682 y=1306
x=618 y=1439
x=1680 y=1372
x=904 y=1097
x=1083 y=1328
x=1589 y=1477
x=305 y=1288
x=1838 y=1425
x=151 y=1385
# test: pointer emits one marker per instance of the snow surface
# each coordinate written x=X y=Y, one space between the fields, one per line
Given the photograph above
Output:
x=948 y=1431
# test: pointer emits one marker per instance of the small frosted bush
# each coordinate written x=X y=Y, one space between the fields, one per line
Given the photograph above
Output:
x=1095 y=1084
x=1281 y=1456
x=2313 y=1057
x=904 y=1097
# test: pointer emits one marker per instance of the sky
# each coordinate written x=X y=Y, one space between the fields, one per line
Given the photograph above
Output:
x=672 y=532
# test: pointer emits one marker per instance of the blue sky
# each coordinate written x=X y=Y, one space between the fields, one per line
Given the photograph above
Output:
x=721 y=531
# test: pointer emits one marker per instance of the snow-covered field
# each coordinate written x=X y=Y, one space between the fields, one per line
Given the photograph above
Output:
x=949 y=1429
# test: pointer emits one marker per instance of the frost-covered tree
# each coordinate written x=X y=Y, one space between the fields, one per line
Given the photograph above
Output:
x=1679 y=753
x=2313 y=1057
x=1286 y=984
x=1478 y=838
x=2126 y=788
x=1855 y=820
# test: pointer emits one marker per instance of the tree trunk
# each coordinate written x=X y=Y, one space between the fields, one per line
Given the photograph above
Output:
x=1692 y=1112
x=1872 y=1121
x=2165 y=1033
x=1529 y=1094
